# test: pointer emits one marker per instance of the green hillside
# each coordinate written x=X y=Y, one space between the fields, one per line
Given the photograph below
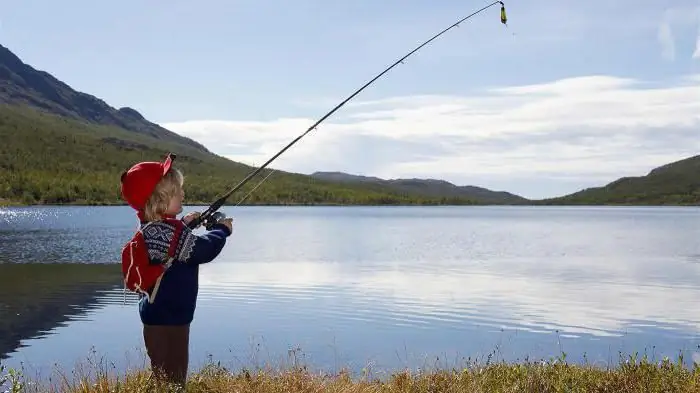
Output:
x=49 y=159
x=677 y=183
x=23 y=85
x=62 y=146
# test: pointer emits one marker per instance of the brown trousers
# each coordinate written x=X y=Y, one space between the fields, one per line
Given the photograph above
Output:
x=168 y=349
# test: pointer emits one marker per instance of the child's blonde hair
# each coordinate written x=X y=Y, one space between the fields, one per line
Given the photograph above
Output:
x=165 y=190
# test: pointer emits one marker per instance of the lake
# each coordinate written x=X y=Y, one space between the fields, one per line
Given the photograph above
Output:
x=379 y=288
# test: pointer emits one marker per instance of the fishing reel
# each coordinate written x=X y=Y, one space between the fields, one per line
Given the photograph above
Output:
x=213 y=219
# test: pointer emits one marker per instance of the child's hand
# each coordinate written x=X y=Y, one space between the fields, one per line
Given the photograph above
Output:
x=190 y=216
x=228 y=221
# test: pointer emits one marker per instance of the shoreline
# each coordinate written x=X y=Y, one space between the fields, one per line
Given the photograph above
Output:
x=6 y=204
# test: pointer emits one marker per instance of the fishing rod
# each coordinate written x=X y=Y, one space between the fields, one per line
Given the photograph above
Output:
x=212 y=215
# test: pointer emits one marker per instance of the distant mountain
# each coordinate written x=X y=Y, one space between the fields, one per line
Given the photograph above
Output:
x=677 y=183
x=345 y=177
x=428 y=187
x=62 y=146
x=21 y=84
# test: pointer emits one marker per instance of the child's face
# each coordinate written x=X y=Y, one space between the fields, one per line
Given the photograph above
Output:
x=175 y=206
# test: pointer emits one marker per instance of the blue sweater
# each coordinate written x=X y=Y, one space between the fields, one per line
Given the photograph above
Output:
x=176 y=296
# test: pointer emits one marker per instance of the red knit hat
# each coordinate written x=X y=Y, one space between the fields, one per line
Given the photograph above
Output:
x=141 y=179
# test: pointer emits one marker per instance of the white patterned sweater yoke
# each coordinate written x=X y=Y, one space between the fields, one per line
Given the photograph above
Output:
x=158 y=236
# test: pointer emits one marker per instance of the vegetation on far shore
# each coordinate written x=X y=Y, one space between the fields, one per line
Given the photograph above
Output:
x=62 y=146
x=50 y=160
x=632 y=374
x=46 y=159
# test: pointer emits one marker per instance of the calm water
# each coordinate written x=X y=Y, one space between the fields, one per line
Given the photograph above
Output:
x=356 y=287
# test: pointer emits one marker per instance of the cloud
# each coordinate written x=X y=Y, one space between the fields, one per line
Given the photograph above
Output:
x=665 y=36
x=575 y=132
x=696 y=53
x=679 y=18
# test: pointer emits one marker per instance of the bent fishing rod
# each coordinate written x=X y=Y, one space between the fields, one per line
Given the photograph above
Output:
x=211 y=215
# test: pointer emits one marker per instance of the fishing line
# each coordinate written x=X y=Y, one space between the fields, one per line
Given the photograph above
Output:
x=255 y=188
x=211 y=215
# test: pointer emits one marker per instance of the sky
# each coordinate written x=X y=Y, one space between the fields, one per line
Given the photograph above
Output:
x=569 y=95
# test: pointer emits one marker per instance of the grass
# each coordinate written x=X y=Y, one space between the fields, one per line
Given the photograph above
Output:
x=632 y=374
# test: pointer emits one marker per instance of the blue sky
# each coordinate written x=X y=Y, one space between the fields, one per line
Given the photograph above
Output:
x=571 y=95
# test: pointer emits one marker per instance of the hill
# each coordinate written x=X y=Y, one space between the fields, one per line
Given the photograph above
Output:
x=47 y=159
x=61 y=146
x=430 y=187
x=677 y=183
x=21 y=84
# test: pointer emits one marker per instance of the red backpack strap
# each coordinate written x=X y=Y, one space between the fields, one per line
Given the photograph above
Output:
x=178 y=224
x=172 y=250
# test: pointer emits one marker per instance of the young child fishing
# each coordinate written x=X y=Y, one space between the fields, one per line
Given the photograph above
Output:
x=161 y=263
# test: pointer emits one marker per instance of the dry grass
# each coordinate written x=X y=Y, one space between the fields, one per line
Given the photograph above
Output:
x=630 y=375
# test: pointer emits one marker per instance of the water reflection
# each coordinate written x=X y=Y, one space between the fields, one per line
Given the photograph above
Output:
x=36 y=298
x=512 y=293
x=354 y=285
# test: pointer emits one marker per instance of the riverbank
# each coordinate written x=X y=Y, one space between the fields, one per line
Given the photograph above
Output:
x=7 y=203
x=12 y=203
x=632 y=374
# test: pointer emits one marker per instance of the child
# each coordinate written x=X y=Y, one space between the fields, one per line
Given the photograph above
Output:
x=168 y=299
